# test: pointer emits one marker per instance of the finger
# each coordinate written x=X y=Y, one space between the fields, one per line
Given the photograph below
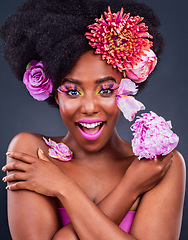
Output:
x=22 y=185
x=18 y=176
x=22 y=156
x=15 y=165
x=41 y=155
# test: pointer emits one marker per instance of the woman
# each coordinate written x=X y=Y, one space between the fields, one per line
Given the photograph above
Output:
x=99 y=181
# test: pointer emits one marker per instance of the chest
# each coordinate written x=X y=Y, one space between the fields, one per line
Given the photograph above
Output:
x=97 y=182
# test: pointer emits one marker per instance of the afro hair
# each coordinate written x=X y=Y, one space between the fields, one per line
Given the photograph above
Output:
x=53 y=31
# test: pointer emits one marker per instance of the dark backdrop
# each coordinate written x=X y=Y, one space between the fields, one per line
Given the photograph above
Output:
x=165 y=94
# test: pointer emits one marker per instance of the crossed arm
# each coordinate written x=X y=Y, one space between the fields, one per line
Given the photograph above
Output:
x=33 y=216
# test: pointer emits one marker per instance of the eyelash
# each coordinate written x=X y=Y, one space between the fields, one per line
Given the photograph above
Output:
x=107 y=87
x=70 y=89
x=103 y=90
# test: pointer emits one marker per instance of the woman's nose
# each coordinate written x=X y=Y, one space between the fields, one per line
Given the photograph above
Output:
x=90 y=105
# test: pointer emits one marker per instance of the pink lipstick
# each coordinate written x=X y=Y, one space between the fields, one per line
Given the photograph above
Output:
x=90 y=128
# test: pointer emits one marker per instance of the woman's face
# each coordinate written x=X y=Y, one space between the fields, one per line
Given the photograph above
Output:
x=87 y=101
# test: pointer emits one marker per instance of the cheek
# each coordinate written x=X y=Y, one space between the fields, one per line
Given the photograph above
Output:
x=68 y=107
x=110 y=106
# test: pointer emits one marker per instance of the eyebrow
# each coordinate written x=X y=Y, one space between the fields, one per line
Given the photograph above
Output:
x=71 y=80
x=100 y=80
x=104 y=79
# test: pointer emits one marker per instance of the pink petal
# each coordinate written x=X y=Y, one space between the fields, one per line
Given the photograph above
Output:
x=127 y=87
x=129 y=106
x=58 y=150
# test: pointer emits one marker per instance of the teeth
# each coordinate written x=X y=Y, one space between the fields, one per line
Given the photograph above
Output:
x=90 y=125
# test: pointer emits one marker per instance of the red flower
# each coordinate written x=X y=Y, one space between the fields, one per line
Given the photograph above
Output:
x=120 y=39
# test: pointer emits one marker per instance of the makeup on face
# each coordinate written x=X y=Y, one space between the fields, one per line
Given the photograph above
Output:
x=90 y=129
x=105 y=87
x=71 y=89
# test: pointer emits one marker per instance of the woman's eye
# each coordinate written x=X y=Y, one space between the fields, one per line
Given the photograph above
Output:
x=106 y=91
x=73 y=93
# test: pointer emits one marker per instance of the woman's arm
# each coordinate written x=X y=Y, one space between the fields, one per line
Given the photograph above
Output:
x=159 y=214
x=147 y=186
x=31 y=216
x=158 y=217
x=140 y=177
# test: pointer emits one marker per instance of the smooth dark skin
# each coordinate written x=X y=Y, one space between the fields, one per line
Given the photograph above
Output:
x=100 y=184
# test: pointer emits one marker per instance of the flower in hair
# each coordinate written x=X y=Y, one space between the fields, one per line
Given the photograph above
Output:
x=140 y=71
x=58 y=150
x=128 y=104
x=38 y=85
x=123 y=42
x=153 y=136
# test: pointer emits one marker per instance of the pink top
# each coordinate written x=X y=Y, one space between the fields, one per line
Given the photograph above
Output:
x=125 y=224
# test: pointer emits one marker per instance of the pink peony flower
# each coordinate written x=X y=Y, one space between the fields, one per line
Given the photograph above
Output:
x=58 y=150
x=36 y=82
x=123 y=41
x=140 y=71
x=128 y=104
x=153 y=136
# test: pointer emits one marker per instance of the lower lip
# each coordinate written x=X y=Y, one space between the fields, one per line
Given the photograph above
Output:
x=91 y=136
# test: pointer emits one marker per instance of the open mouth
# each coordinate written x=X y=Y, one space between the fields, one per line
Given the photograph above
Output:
x=90 y=131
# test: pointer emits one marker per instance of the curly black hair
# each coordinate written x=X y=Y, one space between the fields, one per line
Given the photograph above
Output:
x=53 y=31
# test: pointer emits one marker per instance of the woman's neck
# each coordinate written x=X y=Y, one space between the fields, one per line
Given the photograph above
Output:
x=114 y=149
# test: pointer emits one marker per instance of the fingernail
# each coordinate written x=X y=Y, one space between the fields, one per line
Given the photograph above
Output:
x=41 y=150
x=4 y=179
x=3 y=168
x=8 y=153
x=7 y=187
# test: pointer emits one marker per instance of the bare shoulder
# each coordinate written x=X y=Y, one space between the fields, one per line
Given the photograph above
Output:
x=162 y=207
x=178 y=163
x=26 y=209
x=25 y=142
x=29 y=143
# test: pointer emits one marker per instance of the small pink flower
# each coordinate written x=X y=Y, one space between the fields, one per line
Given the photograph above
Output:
x=153 y=136
x=128 y=104
x=140 y=71
x=58 y=150
x=36 y=82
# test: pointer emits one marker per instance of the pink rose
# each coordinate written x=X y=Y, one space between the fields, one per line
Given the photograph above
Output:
x=36 y=82
x=139 y=72
x=153 y=136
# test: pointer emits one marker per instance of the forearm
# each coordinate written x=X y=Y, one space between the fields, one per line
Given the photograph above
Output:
x=88 y=220
x=119 y=201
x=115 y=205
x=67 y=232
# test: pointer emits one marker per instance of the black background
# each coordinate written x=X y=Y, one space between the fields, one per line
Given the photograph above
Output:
x=166 y=94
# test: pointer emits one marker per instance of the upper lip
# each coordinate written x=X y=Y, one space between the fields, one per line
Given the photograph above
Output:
x=89 y=121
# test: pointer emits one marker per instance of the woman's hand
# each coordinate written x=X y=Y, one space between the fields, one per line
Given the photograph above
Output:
x=143 y=175
x=34 y=174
